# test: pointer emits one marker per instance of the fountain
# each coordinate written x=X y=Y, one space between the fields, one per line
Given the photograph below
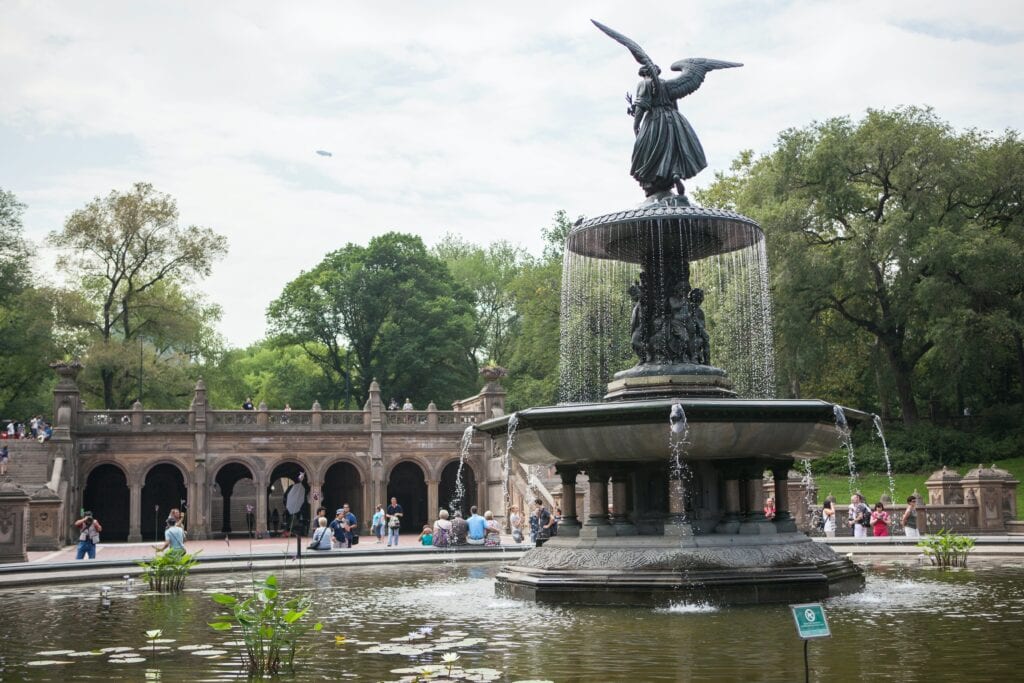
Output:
x=665 y=539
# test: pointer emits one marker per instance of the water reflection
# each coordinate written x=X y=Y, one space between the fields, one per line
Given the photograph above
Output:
x=907 y=625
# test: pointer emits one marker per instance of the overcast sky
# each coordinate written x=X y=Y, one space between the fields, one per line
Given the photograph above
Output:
x=477 y=118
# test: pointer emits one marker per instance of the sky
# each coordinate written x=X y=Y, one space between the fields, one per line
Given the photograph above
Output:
x=471 y=118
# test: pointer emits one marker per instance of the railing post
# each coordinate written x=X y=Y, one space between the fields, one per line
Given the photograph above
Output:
x=317 y=419
x=432 y=417
x=137 y=416
x=262 y=417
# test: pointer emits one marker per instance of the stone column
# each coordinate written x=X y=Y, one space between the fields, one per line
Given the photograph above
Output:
x=13 y=522
x=597 y=522
x=784 y=520
x=753 y=521
x=135 y=513
x=570 y=524
x=732 y=510
x=225 y=496
x=44 y=527
x=261 y=505
x=433 y=499
x=620 y=512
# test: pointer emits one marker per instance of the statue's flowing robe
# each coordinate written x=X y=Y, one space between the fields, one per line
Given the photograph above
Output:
x=666 y=147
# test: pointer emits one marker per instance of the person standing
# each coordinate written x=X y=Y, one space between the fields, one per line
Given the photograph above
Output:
x=828 y=515
x=250 y=519
x=377 y=524
x=477 y=527
x=859 y=516
x=909 y=519
x=5 y=457
x=338 y=527
x=351 y=526
x=879 y=520
x=394 y=516
x=407 y=405
x=515 y=520
x=89 y=535
x=248 y=404
x=769 y=508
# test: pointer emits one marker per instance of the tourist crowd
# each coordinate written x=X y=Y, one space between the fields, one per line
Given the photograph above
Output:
x=34 y=428
x=861 y=518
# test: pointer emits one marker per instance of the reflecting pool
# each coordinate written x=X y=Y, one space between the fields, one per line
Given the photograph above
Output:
x=907 y=625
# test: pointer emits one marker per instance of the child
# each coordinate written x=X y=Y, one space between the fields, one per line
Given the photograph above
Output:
x=426 y=536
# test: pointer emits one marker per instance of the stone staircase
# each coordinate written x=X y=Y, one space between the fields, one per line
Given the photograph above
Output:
x=29 y=465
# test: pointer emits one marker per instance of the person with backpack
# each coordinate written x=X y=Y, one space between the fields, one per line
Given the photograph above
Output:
x=394 y=516
x=442 y=530
x=89 y=535
x=859 y=516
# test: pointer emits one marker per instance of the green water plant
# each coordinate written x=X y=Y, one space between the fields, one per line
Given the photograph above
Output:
x=167 y=571
x=946 y=549
x=270 y=623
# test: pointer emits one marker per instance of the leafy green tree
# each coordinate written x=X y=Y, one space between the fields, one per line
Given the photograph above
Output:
x=396 y=308
x=26 y=321
x=534 y=355
x=488 y=272
x=132 y=266
x=863 y=220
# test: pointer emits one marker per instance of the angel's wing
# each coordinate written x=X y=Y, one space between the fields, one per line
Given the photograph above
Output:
x=692 y=72
x=637 y=51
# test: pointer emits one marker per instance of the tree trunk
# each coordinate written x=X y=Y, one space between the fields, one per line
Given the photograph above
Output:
x=108 y=388
x=903 y=378
x=1018 y=343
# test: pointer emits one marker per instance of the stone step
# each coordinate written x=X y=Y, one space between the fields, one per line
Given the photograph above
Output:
x=29 y=462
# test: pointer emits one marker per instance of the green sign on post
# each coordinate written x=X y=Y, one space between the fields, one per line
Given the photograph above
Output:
x=810 y=621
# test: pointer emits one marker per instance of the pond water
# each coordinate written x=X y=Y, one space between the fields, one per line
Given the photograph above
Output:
x=907 y=625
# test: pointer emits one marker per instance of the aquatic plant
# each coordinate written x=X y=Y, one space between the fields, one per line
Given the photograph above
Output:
x=946 y=549
x=271 y=625
x=168 y=570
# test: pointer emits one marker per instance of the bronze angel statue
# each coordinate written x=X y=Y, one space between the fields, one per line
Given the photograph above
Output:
x=666 y=151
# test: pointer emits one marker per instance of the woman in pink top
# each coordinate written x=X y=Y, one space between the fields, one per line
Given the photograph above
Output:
x=879 y=520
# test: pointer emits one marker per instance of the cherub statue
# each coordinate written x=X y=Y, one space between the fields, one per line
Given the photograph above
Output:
x=666 y=151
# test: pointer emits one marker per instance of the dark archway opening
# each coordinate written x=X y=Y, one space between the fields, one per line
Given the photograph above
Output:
x=233 y=503
x=342 y=484
x=284 y=482
x=163 y=489
x=409 y=486
x=449 y=493
x=107 y=497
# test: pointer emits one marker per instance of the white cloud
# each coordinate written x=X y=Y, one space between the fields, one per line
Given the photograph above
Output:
x=461 y=117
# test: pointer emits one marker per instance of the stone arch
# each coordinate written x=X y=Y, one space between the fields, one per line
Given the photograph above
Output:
x=448 y=496
x=234 y=489
x=408 y=483
x=343 y=481
x=164 y=486
x=106 y=494
x=281 y=478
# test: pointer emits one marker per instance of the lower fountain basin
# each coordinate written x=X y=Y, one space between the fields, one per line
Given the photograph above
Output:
x=637 y=431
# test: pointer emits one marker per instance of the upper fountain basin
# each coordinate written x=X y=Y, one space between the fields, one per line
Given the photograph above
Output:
x=690 y=232
x=638 y=431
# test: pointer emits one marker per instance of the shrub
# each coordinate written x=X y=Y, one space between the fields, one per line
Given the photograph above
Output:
x=168 y=570
x=946 y=549
x=271 y=626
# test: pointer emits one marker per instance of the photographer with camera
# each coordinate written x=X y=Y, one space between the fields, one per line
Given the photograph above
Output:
x=89 y=535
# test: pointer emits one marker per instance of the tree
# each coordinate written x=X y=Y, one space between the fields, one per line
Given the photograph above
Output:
x=863 y=221
x=534 y=355
x=488 y=272
x=132 y=264
x=395 y=308
x=26 y=321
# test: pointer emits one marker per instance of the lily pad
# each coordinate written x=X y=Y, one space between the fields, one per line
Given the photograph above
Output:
x=209 y=653
x=45 y=662
x=127 y=660
x=54 y=653
x=117 y=649
x=189 y=648
x=90 y=653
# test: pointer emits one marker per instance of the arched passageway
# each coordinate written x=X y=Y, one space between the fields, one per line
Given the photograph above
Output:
x=409 y=486
x=450 y=496
x=163 y=489
x=342 y=484
x=233 y=503
x=284 y=485
x=107 y=497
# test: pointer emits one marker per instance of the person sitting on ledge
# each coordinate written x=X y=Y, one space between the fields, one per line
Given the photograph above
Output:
x=174 y=538
x=492 y=535
x=322 y=536
x=477 y=527
x=769 y=509
x=426 y=536
x=442 y=530
x=460 y=529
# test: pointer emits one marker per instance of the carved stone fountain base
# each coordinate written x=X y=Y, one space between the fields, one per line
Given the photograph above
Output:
x=670 y=380
x=656 y=570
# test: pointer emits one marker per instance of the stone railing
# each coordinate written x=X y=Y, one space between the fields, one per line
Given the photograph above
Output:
x=106 y=421
x=959 y=518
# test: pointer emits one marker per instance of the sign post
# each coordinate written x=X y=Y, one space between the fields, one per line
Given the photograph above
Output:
x=810 y=623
